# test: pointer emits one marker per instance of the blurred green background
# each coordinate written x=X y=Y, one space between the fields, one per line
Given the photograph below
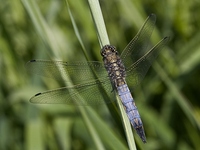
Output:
x=168 y=98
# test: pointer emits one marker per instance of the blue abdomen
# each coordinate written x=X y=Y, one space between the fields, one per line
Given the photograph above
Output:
x=131 y=110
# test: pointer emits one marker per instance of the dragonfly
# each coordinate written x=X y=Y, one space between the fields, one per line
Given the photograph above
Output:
x=97 y=82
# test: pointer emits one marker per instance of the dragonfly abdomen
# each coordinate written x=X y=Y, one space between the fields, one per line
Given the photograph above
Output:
x=117 y=73
x=131 y=110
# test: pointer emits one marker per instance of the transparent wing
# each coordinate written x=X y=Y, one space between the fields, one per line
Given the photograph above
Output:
x=92 y=93
x=137 y=71
x=138 y=45
x=77 y=72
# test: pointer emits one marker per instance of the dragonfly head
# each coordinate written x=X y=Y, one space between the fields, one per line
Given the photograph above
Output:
x=108 y=49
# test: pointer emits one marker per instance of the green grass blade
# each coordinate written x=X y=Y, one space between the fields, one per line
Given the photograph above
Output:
x=103 y=38
x=40 y=24
x=181 y=100
x=99 y=22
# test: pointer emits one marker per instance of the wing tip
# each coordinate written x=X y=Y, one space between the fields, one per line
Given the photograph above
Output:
x=166 y=39
x=152 y=16
x=33 y=60
x=27 y=65
x=32 y=98
x=37 y=94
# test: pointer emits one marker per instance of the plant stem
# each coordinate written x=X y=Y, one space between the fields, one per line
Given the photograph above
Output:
x=103 y=40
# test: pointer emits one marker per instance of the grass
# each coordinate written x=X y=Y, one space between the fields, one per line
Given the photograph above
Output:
x=167 y=98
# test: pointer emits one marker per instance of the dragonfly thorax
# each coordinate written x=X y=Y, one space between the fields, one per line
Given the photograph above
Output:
x=113 y=65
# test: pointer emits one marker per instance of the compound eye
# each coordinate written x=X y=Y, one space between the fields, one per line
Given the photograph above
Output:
x=114 y=50
x=104 y=53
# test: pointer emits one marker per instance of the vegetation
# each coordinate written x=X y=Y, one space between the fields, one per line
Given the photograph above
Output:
x=167 y=98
